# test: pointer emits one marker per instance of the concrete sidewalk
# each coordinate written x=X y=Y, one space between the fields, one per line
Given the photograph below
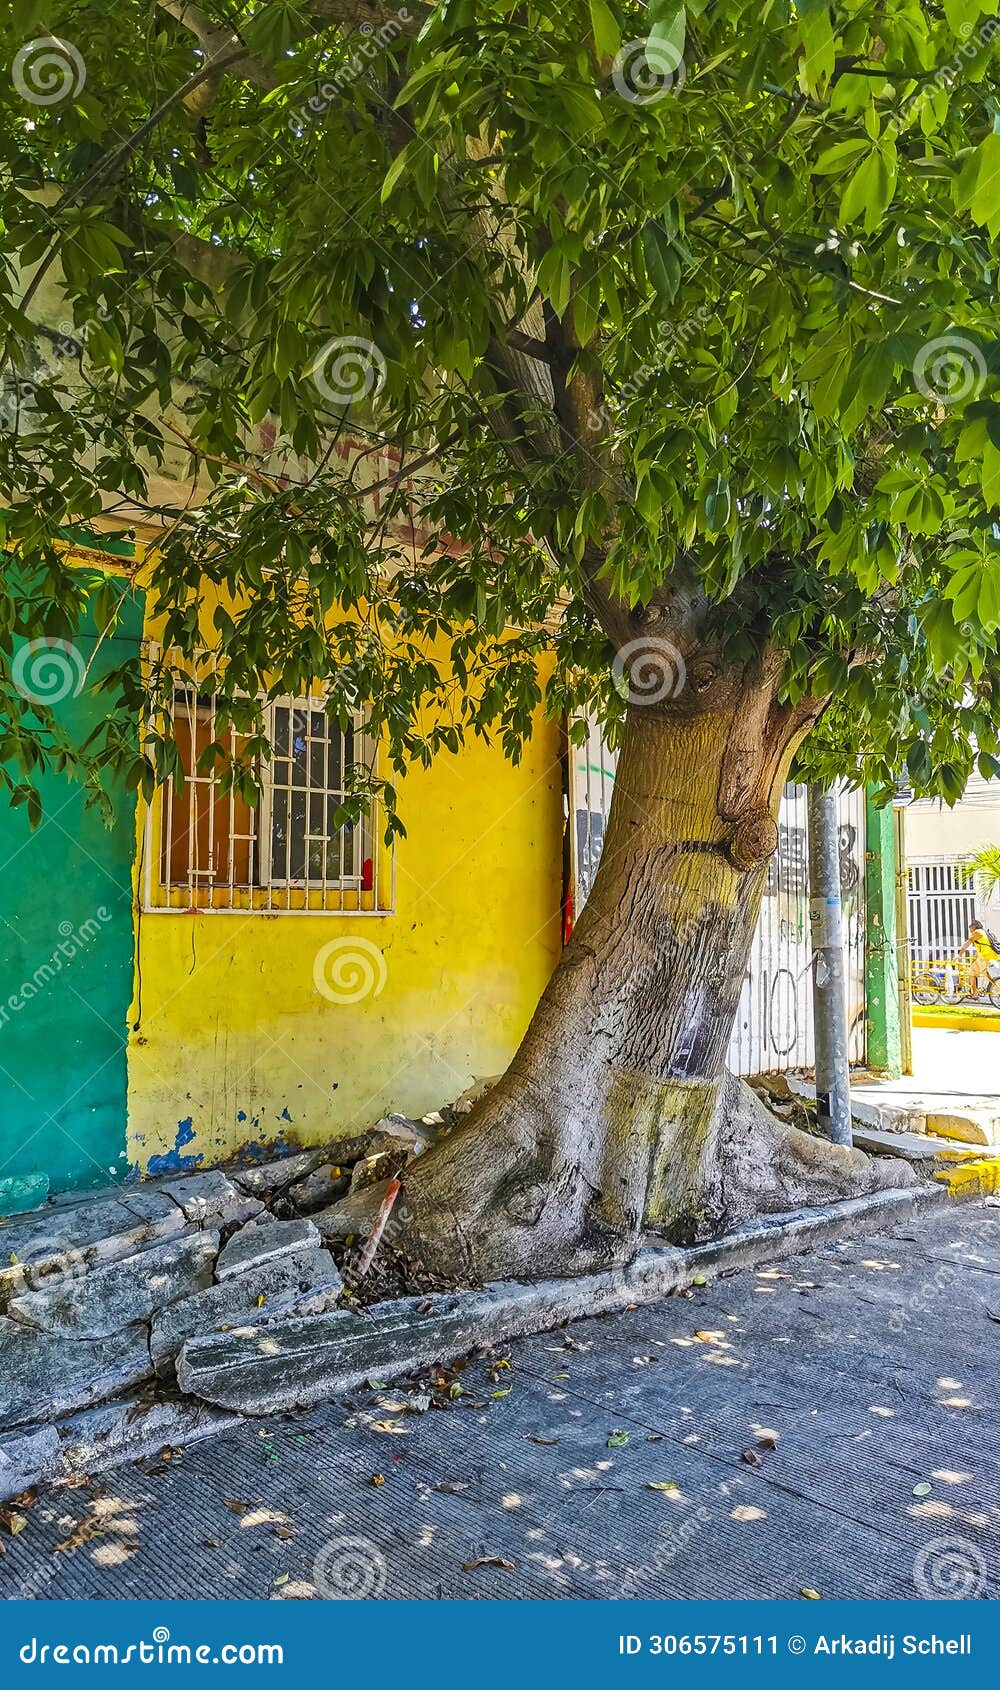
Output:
x=829 y=1424
x=955 y=1079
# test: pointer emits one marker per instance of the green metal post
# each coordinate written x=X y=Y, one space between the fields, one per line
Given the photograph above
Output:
x=881 y=967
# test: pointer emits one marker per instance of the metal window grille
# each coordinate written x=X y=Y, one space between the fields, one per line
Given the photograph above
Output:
x=208 y=849
x=941 y=904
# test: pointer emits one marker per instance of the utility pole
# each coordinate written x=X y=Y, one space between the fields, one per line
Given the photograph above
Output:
x=833 y=1094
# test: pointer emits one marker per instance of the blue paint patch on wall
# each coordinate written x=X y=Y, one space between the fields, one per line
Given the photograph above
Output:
x=173 y=1162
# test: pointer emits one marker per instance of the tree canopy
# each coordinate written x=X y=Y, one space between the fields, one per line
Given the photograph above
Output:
x=654 y=304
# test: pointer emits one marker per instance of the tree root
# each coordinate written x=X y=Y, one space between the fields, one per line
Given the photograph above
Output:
x=754 y=1164
x=509 y=1196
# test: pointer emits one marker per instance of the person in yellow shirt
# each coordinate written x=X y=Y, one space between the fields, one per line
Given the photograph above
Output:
x=982 y=949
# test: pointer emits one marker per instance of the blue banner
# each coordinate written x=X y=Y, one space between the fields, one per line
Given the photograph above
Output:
x=368 y=1645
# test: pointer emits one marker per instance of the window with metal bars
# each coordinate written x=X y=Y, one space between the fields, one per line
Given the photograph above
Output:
x=208 y=848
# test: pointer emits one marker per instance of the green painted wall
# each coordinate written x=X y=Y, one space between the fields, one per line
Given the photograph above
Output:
x=881 y=977
x=66 y=955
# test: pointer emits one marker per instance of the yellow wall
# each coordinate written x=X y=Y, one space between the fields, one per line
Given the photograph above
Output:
x=235 y=1045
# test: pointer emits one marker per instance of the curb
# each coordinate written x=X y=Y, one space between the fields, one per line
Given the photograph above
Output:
x=109 y=1436
x=957 y=1023
x=971 y=1179
x=313 y=1359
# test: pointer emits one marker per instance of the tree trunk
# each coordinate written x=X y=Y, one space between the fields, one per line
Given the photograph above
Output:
x=616 y=1114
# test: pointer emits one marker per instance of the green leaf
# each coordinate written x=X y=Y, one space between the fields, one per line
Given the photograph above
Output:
x=665 y=41
x=985 y=205
x=554 y=279
x=663 y=266
x=717 y=505
x=604 y=28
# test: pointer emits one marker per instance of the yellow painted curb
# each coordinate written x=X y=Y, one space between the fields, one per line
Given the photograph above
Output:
x=972 y=1179
x=958 y=1022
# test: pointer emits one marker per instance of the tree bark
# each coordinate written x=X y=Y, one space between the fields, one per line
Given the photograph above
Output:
x=616 y=1115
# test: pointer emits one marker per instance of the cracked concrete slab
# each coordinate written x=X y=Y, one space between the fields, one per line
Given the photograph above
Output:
x=264 y=1179
x=264 y=1241
x=210 y=1199
x=44 y=1376
x=114 y=1295
x=303 y=1283
x=66 y=1239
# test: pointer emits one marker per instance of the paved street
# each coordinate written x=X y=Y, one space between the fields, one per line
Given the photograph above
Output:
x=829 y=1424
x=953 y=1068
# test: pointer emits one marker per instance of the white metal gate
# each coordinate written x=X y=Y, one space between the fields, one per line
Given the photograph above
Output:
x=774 y=1021
x=942 y=903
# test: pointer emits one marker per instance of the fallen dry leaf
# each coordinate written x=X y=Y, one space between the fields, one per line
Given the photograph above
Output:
x=451 y=1487
x=235 y=1506
x=12 y=1522
x=768 y=1441
x=532 y=1439
x=752 y=1458
x=393 y=1427
x=378 y=1478
x=80 y=1534
x=488 y=1561
x=662 y=1484
x=810 y=1595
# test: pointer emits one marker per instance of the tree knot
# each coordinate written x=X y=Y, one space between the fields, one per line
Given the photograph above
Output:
x=754 y=838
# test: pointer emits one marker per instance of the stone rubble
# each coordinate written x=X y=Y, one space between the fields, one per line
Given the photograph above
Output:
x=303 y=1282
x=99 y=1291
